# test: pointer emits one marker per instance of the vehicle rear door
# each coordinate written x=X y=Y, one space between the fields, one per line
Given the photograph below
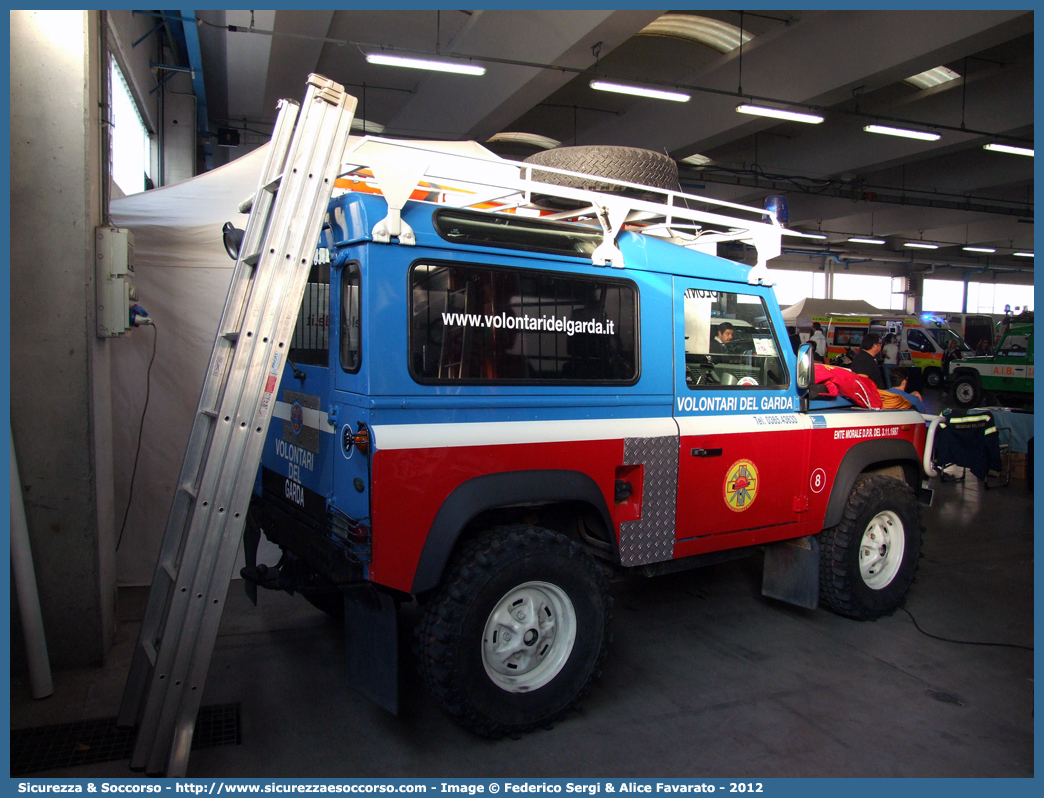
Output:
x=350 y=407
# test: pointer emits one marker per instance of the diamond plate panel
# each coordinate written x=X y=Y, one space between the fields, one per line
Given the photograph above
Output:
x=651 y=538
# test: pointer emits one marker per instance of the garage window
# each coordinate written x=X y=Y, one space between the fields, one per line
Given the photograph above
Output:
x=130 y=138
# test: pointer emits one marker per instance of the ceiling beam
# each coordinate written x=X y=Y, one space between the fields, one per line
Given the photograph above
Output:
x=455 y=107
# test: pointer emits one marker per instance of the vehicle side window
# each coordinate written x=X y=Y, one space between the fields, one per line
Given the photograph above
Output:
x=729 y=341
x=849 y=336
x=310 y=344
x=919 y=342
x=485 y=324
x=1014 y=345
x=351 y=318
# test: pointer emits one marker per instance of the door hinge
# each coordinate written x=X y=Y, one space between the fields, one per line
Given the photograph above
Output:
x=800 y=504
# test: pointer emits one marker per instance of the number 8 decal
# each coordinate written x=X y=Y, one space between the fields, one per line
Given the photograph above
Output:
x=818 y=480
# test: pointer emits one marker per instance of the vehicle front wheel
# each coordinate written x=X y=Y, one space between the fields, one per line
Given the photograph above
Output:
x=518 y=630
x=868 y=561
x=933 y=377
x=966 y=391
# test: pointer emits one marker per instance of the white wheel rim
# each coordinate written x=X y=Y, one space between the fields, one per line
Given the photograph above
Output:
x=529 y=636
x=965 y=392
x=881 y=550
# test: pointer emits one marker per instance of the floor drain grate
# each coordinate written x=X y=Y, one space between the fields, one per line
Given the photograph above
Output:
x=88 y=741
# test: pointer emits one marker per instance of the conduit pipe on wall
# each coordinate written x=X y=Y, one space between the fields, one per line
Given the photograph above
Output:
x=25 y=583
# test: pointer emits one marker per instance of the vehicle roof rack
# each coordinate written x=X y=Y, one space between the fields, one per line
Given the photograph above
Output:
x=462 y=179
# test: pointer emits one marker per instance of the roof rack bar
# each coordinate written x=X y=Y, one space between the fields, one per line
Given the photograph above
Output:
x=399 y=167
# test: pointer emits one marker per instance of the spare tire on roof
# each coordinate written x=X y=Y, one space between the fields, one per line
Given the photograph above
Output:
x=631 y=164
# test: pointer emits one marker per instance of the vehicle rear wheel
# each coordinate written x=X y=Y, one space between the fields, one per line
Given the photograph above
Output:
x=518 y=630
x=868 y=561
x=933 y=377
x=966 y=391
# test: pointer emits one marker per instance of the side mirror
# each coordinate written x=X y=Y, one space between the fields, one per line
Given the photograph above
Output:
x=806 y=368
x=232 y=237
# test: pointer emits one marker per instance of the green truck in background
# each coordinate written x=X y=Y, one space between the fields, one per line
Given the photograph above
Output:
x=1007 y=374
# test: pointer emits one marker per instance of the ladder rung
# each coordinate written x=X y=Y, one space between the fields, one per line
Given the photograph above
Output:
x=210 y=413
x=273 y=185
x=169 y=569
x=252 y=259
x=231 y=336
x=150 y=652
x=191 y=490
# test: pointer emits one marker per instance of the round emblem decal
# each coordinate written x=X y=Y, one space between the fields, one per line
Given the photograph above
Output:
x=741 y=485
x=296 y=417
x=747 y=381
x=818 y=480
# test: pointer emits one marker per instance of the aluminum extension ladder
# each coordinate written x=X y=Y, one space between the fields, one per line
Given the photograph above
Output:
x=207 y=516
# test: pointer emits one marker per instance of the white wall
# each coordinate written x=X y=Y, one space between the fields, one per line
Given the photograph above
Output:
x=60 y=397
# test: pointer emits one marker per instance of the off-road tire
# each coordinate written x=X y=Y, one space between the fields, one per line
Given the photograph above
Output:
x=966 y=391
x=933 y=377
x=842 y=587
x=630 y=164
x=450 y=632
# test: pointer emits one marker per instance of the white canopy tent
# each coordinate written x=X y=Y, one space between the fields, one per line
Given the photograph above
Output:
x=182 y=274
x=800 y=314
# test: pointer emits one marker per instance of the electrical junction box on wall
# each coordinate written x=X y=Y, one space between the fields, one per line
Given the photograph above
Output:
x=114 y=265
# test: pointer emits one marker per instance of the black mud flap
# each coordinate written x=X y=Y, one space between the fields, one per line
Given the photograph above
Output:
x=251 y=540
x=792 y=572
x=925 y=494
x=371 y=638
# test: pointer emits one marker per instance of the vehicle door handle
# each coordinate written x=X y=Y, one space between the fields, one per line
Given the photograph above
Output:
x=706 y=452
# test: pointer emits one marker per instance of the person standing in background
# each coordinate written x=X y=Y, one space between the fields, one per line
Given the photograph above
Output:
x=890 y=350
x=819 y=342
x=865 y=360
x=795 y=339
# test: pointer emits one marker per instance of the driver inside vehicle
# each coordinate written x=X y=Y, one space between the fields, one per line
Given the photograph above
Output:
x=719 y=343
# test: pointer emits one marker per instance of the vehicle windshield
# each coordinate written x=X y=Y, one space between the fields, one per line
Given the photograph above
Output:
x=944 y=336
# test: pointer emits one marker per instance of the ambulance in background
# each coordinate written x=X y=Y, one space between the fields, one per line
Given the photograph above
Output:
x=922 y=340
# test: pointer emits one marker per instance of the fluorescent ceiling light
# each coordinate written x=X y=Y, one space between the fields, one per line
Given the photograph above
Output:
x=1023 y=254
x=424 y=63
x=695 y=160
x=799 y=234
x=639 y=91
x=903 y=132
x=779 y=113
x=713 y=33
x=920 y=245
x=987 y=250
x=932 y=77
x=868 y=241
x=529 y=139
x=1009 y=149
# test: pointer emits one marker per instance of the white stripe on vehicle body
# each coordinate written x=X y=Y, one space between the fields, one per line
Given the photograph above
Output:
x=492 y=433
x=866 y=418
x=316 y=419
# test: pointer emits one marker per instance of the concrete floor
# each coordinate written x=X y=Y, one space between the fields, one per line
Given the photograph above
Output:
x=705 y=678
